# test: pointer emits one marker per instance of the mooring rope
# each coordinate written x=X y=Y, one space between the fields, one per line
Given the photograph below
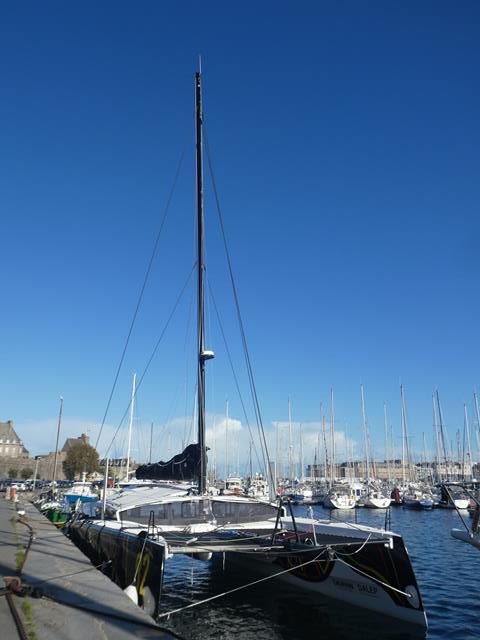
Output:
x=333 y=556
x=244 y=586
x=100 y=566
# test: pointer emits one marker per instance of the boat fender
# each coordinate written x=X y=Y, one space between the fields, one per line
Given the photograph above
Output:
x=132 y=593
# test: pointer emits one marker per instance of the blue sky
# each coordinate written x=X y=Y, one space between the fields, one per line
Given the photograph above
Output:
x=344 y=139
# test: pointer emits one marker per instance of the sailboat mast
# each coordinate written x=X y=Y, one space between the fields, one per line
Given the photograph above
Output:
x=301 y=455
x=130 y=424
x=227 y=471
x=202 y=479
x=387 y=460
x=365 y=434
x=56 y=444
x=466 y=428
x=439 y=475
x=442 y=437
x=151 y=440
x=332 y=433
x=290 y=445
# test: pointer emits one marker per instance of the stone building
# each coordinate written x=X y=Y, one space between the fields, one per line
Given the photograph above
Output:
x=13 y=454
x=47 y=461
x=10 y=444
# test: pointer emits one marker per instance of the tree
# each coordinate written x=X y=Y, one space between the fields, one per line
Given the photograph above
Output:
x=12 y=473
x=80 y=457
x=26 y=473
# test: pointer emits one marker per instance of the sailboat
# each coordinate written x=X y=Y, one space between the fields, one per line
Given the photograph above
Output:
x=363 y=566
x=374 y=498
x=340 y=497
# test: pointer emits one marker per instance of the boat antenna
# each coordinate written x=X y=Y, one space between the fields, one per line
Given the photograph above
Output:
x=203 y=355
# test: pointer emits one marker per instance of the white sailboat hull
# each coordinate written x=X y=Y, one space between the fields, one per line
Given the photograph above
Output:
x=377 y=503
x=339 y=502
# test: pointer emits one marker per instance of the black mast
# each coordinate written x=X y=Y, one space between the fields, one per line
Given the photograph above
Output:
x=202 y=354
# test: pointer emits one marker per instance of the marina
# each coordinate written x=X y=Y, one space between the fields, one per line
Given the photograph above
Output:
x=239 y=273
x=443 y=567
x=211 y=599
x=361 y=566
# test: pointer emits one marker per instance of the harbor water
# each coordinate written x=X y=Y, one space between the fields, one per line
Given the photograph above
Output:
x=446 y=570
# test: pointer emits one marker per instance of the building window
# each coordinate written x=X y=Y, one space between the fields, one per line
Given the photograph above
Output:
x=1 y=449
x=7 y=440
x=6 y=448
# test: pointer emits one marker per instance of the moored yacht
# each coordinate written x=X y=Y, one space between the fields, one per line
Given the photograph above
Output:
x=80 y=491
x=376 y=500
x=417 y=499
x=362 y=566
x=339 y=497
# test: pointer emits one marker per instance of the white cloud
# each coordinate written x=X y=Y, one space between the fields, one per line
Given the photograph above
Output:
x=39 y=436
x=314 y=442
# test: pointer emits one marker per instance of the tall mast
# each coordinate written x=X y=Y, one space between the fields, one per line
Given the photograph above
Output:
x=290 y=445
x=405 y=446
x=387 y=461
x=442 y=437
x=250 y=461
x=302 y=475
x=56 y=444
x=151 y=440
x=130 y=424
x=332 y=433
x=227 y=471
x=325 y=450
x=202 y=354
x=365 y=433
x=466 y=433
x=277 y=463
x=439 y=474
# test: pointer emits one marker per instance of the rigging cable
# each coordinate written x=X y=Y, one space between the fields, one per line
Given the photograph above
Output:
x=140 y=297
x=256 y=404
x=332 y=556
x=237 y=384
x=149 y=362
x=240 y=588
